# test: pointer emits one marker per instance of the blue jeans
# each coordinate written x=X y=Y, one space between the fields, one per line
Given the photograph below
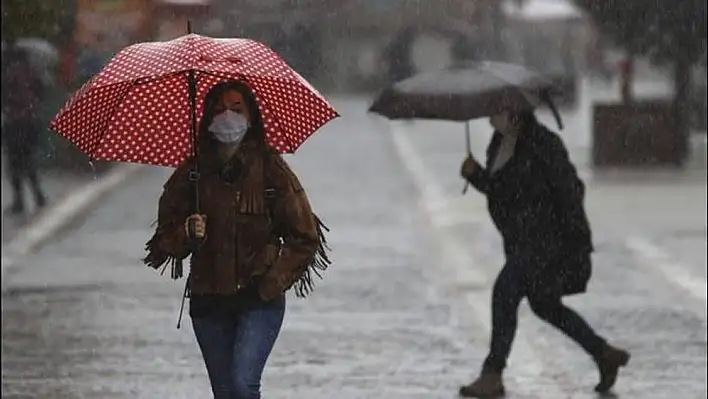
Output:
x=236 y=348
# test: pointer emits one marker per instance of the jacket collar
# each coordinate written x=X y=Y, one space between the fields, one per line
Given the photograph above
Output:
x=210 y=162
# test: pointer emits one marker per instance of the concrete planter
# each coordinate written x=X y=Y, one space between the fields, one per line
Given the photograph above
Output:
x=640 y=134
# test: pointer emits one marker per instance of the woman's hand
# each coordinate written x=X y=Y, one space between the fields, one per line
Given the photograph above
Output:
x=199 y=223
x=469 y=167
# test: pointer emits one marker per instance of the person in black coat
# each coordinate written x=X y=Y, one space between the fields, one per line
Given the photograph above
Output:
x=535 y=199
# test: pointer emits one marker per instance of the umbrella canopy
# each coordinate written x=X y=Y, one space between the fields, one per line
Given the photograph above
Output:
x=464 y=91
x=41 y=49
x=42 y=56
x=144 y=106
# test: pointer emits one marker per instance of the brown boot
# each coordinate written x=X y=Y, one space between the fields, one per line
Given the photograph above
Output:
x=608 y=364
x=489 y=384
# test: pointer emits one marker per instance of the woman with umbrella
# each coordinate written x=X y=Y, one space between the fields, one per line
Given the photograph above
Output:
x=535 y=199
x=534 y=196
x=232 y=204
x=240 y=269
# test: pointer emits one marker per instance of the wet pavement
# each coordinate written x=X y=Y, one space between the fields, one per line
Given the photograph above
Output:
x=56 y=185
x=395 y=317
x=85 y=319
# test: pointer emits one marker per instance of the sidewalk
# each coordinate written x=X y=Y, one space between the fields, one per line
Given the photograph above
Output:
x=56 y=184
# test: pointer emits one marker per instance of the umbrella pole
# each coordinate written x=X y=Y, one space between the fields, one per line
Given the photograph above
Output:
x=192 y=83
x=468 y=146
x=192 y=88
x=192 y=91
x=194 y=178
x=467 y=138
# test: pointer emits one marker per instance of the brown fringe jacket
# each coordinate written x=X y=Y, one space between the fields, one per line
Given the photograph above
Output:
x=259 y=227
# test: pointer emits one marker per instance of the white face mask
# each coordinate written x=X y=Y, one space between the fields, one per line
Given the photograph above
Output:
x=229 y=127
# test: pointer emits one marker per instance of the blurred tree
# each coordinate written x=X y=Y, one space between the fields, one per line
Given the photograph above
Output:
x=662 y=30
x=36 y=18
x=665 y=31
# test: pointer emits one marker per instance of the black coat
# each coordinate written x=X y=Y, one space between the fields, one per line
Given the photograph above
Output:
x=536 y=202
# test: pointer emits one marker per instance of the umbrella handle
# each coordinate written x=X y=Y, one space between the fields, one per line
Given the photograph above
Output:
x=192 y=229
x=468 y=145
x=546 y=97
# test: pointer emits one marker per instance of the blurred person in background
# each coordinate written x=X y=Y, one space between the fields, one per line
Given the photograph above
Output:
x=22 y=92
x=256 y=237
x=536 y=201
x=93 y=57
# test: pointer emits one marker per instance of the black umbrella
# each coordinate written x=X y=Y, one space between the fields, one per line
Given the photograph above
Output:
x=466 y=91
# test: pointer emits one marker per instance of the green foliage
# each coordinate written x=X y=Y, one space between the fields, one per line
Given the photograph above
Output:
x=664 y=30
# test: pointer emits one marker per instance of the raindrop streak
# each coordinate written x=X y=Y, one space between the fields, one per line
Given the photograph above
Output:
x=93 y=170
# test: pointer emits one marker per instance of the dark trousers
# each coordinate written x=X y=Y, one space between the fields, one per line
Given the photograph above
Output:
x=21 y=142
x=236 y=347
x=511 y=286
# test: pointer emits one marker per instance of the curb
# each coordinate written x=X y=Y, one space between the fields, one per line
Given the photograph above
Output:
x=31 y=237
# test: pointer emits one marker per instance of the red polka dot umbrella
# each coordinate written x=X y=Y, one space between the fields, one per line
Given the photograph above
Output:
x=139 y=109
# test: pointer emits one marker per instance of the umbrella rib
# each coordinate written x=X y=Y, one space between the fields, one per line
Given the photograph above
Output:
x=277 y=123
x=134 y=82
x=130 y=85
x=108 y=121
x=146 y=80
x=245 y=76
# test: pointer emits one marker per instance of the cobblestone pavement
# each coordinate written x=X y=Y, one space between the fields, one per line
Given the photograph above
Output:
x=403 y=312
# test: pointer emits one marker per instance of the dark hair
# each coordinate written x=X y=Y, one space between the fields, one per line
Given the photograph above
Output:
x=255 y=131
x=524 y=119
